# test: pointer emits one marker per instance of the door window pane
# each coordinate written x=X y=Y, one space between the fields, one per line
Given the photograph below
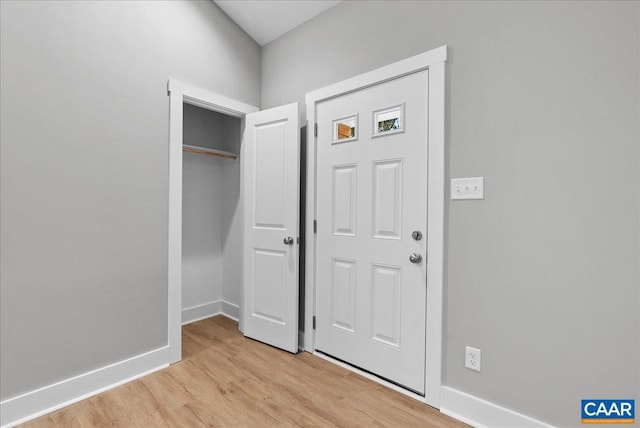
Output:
x=389 y=120
x=345 y=129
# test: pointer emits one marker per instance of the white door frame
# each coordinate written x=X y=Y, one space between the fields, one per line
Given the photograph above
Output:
x=434 y=61
x=180 y=93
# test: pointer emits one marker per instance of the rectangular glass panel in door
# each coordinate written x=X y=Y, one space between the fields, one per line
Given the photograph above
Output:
x=371 y=196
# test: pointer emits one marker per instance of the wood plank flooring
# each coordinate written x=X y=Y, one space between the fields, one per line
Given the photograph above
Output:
x=227 y=380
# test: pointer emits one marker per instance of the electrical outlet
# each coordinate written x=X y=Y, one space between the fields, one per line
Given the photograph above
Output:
x=472 y=358
x=467 y=188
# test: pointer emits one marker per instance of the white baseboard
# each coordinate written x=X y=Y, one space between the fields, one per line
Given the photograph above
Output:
x=481 y=413
x=208 y=310
x=230 y=310
x=41 y=401
x=33 y=404
x=200 y=312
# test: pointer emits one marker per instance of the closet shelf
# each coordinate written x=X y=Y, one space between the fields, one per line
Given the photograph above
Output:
x=209 y=152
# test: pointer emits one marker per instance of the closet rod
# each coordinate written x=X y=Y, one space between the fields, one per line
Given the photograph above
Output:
x=208 y=152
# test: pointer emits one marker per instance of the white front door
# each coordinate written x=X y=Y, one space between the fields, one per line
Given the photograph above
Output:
x=270 y=179
x=371 y=232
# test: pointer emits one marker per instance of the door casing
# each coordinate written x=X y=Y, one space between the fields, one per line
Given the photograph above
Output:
x=434 y=61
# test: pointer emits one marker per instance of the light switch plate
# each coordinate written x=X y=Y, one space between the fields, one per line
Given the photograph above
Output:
x=467 y=188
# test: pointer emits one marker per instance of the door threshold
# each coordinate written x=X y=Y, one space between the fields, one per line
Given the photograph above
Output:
x=377 y=379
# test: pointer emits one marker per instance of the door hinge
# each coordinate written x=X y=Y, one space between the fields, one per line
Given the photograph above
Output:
x=315 y=226
x=298 y=240
x=314 y=322
x=315 y=129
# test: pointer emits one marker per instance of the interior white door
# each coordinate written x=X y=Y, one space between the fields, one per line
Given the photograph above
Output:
x=371 y=233
x=271 y=206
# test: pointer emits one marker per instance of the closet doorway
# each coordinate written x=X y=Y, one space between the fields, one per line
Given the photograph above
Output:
x=233 y=216
x=211 y=215
x=205 y=132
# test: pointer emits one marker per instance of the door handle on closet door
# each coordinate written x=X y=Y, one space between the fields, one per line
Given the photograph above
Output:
x=288 y=240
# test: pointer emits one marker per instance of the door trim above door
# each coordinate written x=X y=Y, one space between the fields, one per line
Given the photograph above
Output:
x=434 y=61
x=180 y=93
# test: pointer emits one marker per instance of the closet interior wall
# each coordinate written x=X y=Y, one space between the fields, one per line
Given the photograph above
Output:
x=211 y=216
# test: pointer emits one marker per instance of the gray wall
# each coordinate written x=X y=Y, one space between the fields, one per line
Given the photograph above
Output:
x=542 y=100
x=211 y=231
x=208 y=128
x=232 y=233
x=202 y=205
x=210 y=218
x=84 y=173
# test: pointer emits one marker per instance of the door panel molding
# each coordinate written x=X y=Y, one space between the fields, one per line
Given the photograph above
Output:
x=434 y=61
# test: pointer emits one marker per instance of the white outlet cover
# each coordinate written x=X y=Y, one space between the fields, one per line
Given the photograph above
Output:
x=472 y=358
x=467 y=188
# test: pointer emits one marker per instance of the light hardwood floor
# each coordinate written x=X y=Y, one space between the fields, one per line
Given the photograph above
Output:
x=226 y=380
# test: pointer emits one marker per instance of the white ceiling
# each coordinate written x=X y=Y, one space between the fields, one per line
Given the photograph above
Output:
x=266 y=20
